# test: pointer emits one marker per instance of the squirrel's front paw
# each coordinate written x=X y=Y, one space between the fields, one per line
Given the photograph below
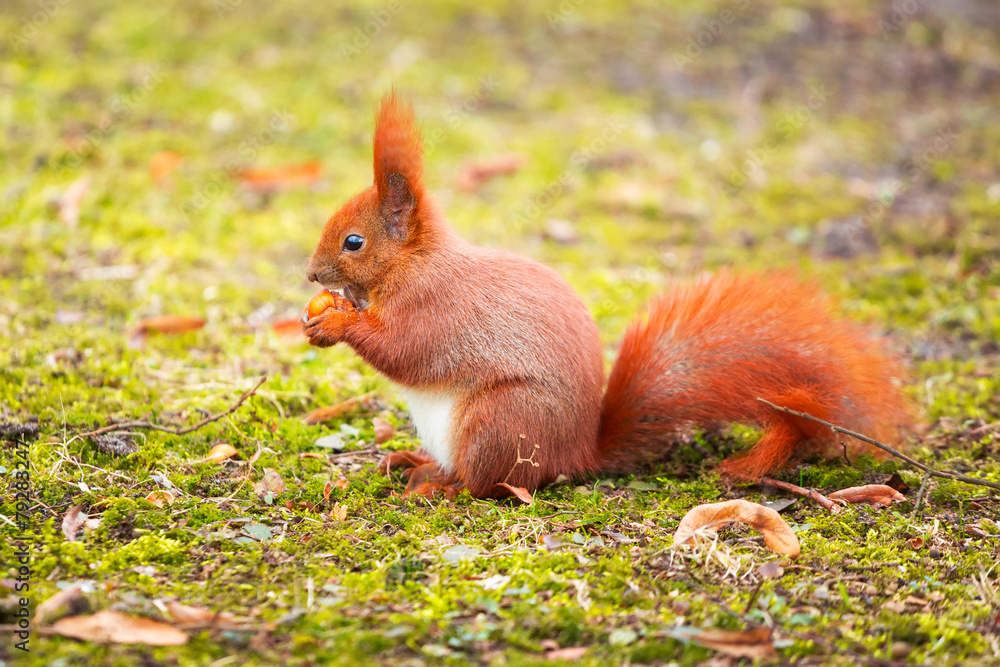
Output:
x=330 y=326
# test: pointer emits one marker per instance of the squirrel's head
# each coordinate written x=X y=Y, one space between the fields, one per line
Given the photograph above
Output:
x=378 y=229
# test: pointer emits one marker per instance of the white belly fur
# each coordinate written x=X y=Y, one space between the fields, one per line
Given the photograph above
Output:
x=432 y=415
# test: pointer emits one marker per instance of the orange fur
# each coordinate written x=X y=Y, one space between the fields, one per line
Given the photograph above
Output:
x=707 y=350
x=507 y=366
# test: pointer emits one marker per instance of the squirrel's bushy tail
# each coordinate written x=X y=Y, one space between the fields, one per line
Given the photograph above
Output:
x=707 y=349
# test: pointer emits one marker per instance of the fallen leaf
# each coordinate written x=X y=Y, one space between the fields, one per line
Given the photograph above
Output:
x=876 y=494
x=383 y=430
x=62 y=601
x=114 y=627
x=518 y=492
x=751 y=644
x=220 y=452
x=325 y=414
x=168 y=324
x=161 y=498
x=478 y=171
x=273 y=179
x=914 y=600
x=326 y=491
x=72 y=521
x=270 y=484
x=291 y=328
x=568 y=653
x=71 y=199
x=162 y=163
x=916 y=542
x=184 y=615
x=704 y=522
x=339 y=512
x=896 y=482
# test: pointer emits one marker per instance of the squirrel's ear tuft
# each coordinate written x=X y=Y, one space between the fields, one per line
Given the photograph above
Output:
x=398 y=162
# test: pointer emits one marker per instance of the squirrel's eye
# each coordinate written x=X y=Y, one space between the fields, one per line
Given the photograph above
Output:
x=353 y=242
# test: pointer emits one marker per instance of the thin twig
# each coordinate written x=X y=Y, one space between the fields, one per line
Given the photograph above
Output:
x=884 y=447
x=814 y=496
x=177 y=431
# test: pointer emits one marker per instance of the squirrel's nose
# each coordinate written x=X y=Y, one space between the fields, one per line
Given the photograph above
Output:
x=313 y=277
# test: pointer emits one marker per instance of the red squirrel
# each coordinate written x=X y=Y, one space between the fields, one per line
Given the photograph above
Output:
x=502 y=368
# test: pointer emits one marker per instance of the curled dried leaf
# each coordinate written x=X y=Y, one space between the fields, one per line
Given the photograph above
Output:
x=705 y=521
x=73 y=521
x=325 y=414
x=504 y=490
x=183 y=614
x=114 y=627
x=751 y=644
x=221 y=452
x=160 y=498
x=168 y=324
x=58 y=604
x=876 y=494
x=273 y=179
x=271 y=483
x=383 y=430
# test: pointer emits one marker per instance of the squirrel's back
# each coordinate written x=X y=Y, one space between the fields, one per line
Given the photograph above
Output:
x=707 y=349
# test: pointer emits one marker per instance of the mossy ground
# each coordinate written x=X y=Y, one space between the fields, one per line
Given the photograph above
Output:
x=855 y=143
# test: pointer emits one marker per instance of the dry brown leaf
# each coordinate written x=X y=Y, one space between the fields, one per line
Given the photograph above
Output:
x=182 y=614
x=477 y=172
x=161 y=498
x=273 y=179
x=327 y=490
x=71 y=199
x=73 y=521
x=220 y=452
x=751 y=644
x=162 y=163
x=339 y=512
x=876 y=494
x=778 y=535
x=383 y=430
x=916 y=542
x=518 y=492
x=568 y=653
x=60 y=602
x=114 y=627
x=291 y=328
x=168 y=324
x=325 y=414
x=270 y=483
